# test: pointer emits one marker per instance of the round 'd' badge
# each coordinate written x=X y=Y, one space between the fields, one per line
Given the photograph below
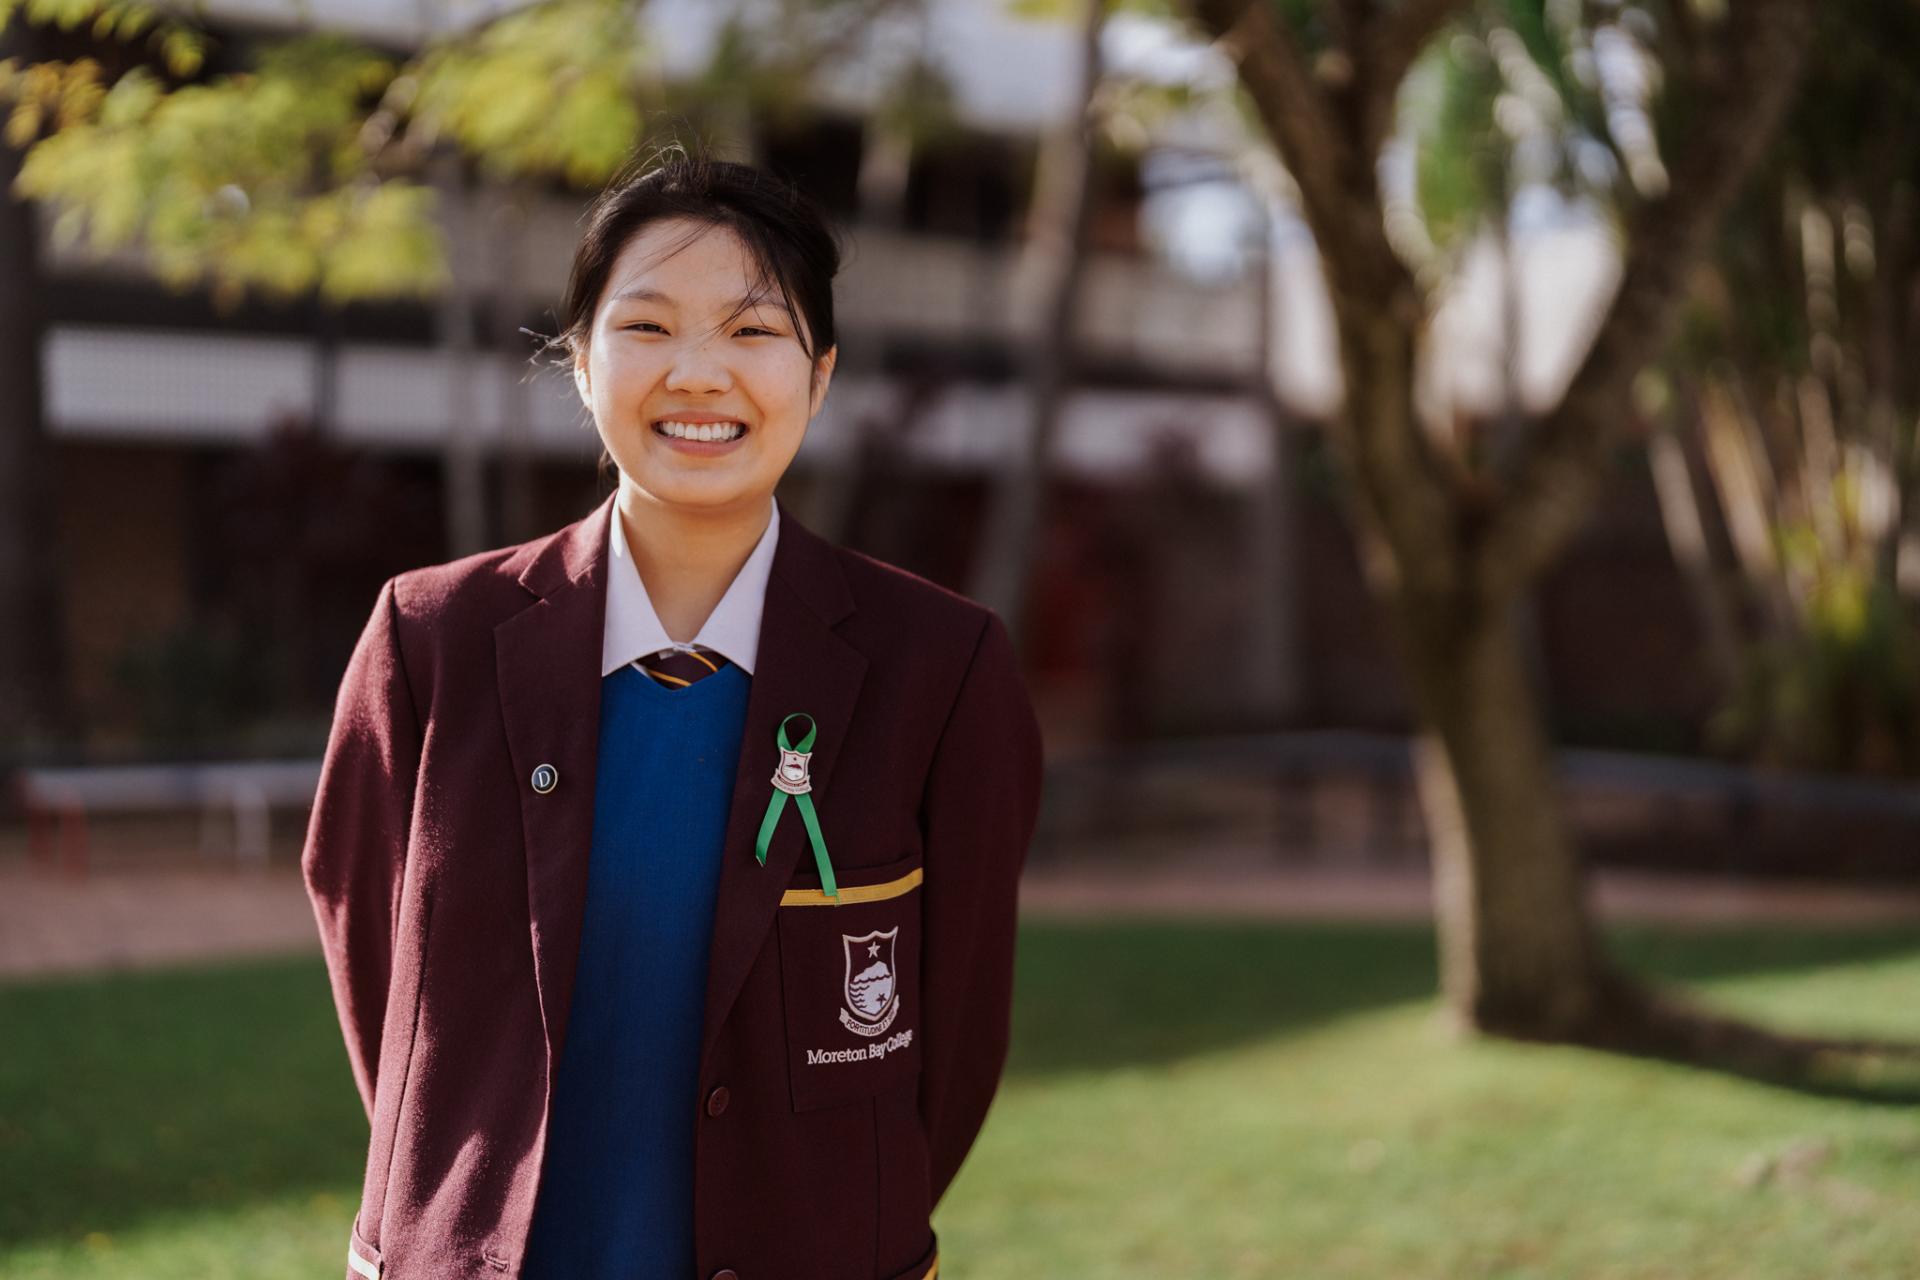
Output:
x=545 y=778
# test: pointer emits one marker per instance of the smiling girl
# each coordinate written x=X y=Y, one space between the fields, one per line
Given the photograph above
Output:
x=666 y=865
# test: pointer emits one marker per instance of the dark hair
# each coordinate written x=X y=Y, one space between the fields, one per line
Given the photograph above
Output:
x=785 y=233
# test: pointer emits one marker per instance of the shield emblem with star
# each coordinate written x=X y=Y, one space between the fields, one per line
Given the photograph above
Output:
x=870 y=990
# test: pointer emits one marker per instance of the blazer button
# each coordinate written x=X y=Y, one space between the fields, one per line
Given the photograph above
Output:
x=716 y=1103
x=545 y=778
x=726 y=1273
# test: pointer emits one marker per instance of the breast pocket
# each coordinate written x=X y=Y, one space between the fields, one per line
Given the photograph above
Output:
x=850 y=975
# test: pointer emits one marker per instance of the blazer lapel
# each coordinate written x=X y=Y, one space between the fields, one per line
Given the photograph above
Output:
x=802 y=665
x=547 y=662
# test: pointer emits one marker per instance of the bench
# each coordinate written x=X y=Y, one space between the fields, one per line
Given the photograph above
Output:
x=59 y=801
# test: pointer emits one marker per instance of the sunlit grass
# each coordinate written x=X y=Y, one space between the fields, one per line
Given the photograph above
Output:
x=1243 y=1100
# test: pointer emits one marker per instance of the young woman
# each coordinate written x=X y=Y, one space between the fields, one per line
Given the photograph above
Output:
x=665 y=865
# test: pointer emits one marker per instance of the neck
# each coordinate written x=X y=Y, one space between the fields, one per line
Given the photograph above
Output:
x=687 y=558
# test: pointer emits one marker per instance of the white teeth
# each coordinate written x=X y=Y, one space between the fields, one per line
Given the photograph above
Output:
x=703 y=430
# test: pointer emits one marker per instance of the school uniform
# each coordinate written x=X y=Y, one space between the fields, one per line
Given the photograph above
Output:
x=619 y=1001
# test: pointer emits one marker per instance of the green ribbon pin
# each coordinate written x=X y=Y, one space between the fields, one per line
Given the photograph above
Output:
x=790 y=779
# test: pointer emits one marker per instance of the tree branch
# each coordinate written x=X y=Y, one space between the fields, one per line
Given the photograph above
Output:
x=1296 y=112
x=1393 y=42
x=1378 y=306
x=1748 y=79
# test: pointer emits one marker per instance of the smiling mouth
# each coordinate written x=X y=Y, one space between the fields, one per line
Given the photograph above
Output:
x=700 y=432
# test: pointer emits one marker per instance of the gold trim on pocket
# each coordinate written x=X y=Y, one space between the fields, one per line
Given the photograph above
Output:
x=850 y=893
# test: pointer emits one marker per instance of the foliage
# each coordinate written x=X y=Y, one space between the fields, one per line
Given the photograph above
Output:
x=1539 y=93
x=554 y=89
x=179 y=45
x=1808 y=445
x=304 y=171
x=1797 y=327
x=253 y=179
x=1840 y=691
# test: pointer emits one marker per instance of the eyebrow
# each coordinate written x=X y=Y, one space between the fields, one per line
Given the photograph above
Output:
x=643 y=294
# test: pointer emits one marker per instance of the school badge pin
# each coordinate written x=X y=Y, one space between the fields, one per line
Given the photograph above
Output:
x=871 y=994
x=791 y=782
x=791 y=777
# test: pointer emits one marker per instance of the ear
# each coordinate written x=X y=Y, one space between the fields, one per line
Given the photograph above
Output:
x=582 y=380
x=822 y=375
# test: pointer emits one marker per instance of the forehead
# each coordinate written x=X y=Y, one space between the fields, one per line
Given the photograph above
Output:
x=684 y=263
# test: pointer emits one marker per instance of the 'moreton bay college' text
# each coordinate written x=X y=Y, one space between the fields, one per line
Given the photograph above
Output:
x=865 y=1053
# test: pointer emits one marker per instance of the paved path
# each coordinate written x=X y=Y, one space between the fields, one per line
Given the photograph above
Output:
x=122 y=917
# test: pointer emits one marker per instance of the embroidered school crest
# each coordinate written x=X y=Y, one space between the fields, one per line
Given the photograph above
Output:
x=871 y=993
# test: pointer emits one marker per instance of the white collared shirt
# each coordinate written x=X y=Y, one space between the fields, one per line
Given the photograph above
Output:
x=633 y=629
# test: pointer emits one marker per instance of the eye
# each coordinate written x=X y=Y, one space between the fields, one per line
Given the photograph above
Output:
x=643 y=324
x=757 y=329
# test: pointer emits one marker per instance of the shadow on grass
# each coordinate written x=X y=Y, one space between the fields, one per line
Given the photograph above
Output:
x=1101 y=994
x=1672 y=1019
x=1704 y=955
x=130 y=1095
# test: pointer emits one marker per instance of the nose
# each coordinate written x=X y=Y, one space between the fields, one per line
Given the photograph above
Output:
x=698 y=367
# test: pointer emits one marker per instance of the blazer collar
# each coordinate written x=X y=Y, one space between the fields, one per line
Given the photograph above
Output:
x=547 y=664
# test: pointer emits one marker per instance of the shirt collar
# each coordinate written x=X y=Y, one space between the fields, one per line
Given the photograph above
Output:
x=633 y=628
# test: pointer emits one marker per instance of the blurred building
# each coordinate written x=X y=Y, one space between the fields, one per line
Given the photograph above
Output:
x=235 y=485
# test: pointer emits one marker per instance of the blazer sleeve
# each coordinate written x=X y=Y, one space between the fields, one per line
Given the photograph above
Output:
x=981 y=802
x=354 y=858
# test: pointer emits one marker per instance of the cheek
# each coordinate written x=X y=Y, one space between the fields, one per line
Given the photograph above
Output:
x=621 y=370
x=779 y=384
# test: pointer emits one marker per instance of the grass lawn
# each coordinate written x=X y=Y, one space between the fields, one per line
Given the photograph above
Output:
x=1185 y=1100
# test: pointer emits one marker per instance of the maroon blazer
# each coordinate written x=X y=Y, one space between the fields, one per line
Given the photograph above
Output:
x=449 y=893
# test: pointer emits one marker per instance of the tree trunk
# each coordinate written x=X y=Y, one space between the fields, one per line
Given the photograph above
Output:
x=32 y=673
x=463 y=462
x=1056 y=256
x=504 y=205
x=1273 y=686
x=882 y=181
x=1517 y=951
x=1686 y=531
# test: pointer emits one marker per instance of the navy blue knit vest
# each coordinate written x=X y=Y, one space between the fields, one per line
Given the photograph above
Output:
x=616 y=1190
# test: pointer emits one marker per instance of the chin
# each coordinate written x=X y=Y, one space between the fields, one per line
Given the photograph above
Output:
x=710 y=493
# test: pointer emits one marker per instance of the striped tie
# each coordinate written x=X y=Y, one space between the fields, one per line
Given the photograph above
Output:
x=678 y=668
